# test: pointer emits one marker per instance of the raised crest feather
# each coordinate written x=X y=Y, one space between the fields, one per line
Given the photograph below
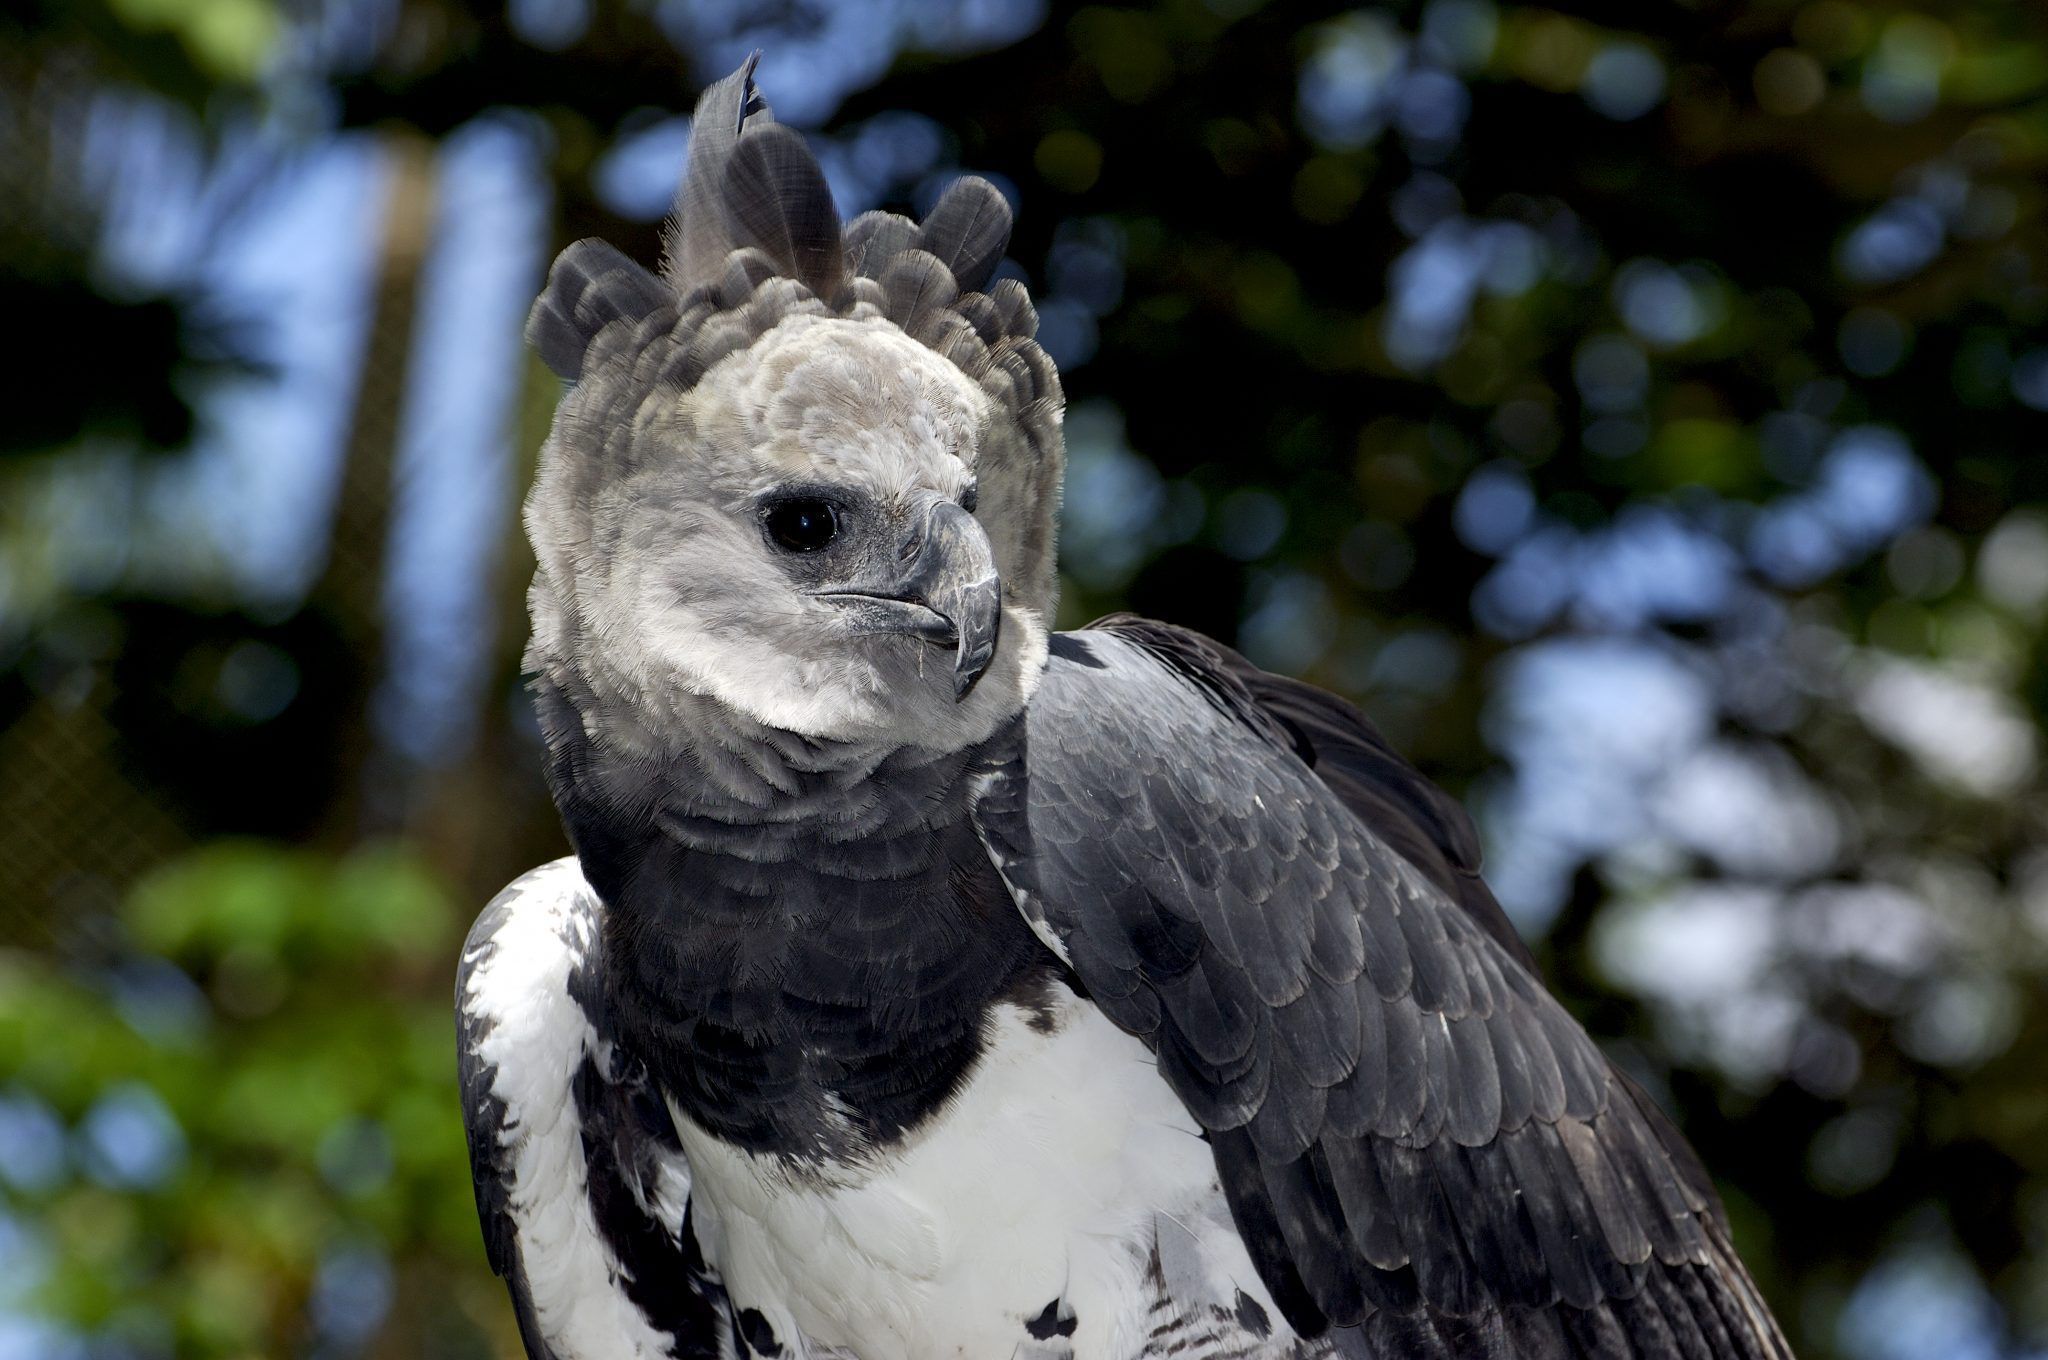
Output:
x=875 y=238
x=590 y=286
x=697 y=240
x=967 y=230
x=776 y=199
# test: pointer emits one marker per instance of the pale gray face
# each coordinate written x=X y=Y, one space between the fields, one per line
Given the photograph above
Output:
x=792 y=537
x=808 y=477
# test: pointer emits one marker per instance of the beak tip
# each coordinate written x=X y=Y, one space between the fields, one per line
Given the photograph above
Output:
x=977 y=646
x=968 y=670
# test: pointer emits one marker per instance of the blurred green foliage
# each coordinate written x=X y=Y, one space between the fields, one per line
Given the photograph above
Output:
x=1638 y=409
x=256 y=1091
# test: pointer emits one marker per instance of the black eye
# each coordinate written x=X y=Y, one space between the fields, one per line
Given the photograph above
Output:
x=803 y=526
x=970 y=498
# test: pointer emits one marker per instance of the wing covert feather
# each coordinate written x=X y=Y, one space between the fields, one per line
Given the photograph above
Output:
x=1419 y=1145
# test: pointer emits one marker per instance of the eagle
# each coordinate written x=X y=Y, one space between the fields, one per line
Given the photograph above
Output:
x=927 y=983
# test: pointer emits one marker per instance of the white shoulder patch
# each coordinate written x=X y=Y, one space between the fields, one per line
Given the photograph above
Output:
x=533 y=1036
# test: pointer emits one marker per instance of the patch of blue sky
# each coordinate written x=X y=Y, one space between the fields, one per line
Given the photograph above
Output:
x=1958 y=729
x=33 y=1157
x=157 y=1000
x=812 y=68
x=1790 y=543
x=1350 y=80
x=457 y=432
x=129 y=1140
x=1612 y=373
x=1250 y=523
x=1873 y=342
x=2030 y=379
x=1068 y=332
x=261 y=473
x=1624 y=80
x=1432 y=285
x=1425 y=200
x=1694 y=948
x=1653 y=565
x=1430 y=107
x=881 y=157
x=279 y=239
x=1922 y=1300
x=1459 y=34
x=836 y=49
x=1868 y=488
x=1086 y=263
x=549 y=24
x=1895 y=242
x=1113 y=500
x=637 y=175
x=1085 y=281
x=24 y=1263
x=1290 y=623
x=353 y=1287
x=1871 y=486
x=1749 y=809
x=1586 y=723
x=1531 y=586
x=1666 y=306
x=1417 y=660
x=1494 y=508
x=1902 y=75
x=154 y=186
x=24 y=1337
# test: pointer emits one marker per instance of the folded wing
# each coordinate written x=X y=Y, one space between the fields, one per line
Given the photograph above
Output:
x=1420 y=1147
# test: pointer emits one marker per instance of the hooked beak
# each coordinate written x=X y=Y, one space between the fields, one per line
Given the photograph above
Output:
x=945 y=590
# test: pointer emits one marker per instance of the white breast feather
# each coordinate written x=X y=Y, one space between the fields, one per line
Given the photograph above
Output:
x=1051 y=1175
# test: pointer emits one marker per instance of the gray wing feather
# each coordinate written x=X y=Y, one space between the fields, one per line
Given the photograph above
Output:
x=1421 y=1149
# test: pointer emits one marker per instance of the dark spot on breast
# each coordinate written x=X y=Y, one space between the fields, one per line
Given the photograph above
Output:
x=1039 y=995
x=760 y=1337
x=1251 y=1317
x=1050 y=1324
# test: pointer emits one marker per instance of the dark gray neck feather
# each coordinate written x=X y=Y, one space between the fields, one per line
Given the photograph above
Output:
x=802 y=941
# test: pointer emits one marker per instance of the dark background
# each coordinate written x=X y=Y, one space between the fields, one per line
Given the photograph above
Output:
x=1638 y=409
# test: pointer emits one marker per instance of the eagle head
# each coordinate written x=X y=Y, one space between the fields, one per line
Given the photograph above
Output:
x=805 y=473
